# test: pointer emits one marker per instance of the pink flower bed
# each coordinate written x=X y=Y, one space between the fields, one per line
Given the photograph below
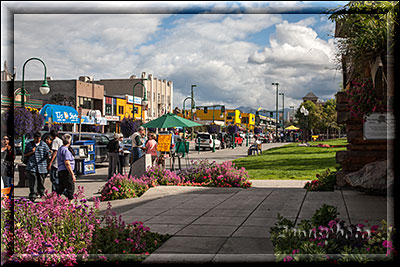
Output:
x=54 y=231
x=200 y=173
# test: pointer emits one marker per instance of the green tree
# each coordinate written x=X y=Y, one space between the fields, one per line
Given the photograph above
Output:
x=365 y=26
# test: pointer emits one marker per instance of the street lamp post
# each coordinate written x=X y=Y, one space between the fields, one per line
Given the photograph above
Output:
x=184 y=112
x=277 y=114
x=44 y=89
x=283 y=111
x=144 y=99
x=304 y=111
x=193 y=103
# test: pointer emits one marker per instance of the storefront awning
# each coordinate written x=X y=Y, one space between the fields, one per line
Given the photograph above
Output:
x=92 y=120
x=59 y=114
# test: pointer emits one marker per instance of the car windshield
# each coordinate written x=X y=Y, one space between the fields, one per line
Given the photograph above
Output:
x=204 y=136
x=127 y=141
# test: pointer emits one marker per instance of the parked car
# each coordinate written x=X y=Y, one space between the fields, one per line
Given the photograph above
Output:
x=101 y=142
x=127 y=144
x=206 y=142
x=225 y=140
x=263 y=138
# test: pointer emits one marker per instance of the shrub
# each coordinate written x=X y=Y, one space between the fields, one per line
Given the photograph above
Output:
x=201 y=173
x=332 y=241
x=218 y=175
x=324 y=182
x=118 y=238
x=324 y=215
x=121 y=187
x=57 y=232
x=164 y=177
x=50 y=231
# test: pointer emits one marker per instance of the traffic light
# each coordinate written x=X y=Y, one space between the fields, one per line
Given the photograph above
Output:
x=205 y=110
x=271 y=114
x=136 y=109
x=257 y=113
x=222 y=109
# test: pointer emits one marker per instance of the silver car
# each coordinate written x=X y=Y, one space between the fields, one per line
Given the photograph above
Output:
x=206 y=142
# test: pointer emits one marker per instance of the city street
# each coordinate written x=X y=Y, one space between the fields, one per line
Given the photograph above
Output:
x=92 y=182
x=167 y=93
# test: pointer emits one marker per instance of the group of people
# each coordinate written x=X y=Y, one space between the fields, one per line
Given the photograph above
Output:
x=53 y=156
x=140 y=146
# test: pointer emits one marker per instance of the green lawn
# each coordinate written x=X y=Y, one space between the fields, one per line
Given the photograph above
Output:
x=292 y=161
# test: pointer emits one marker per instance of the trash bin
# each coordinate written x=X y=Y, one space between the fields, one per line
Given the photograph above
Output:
x=127 y=158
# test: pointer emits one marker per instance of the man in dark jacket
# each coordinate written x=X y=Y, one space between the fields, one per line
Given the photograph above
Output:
x=113 y=155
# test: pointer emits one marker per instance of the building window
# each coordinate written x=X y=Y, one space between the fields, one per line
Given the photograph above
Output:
x=86 y=102
x=108 y=109
x=121 y=109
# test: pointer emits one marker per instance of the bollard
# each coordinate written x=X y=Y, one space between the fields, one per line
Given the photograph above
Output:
x=213 y=137
x=198 y=144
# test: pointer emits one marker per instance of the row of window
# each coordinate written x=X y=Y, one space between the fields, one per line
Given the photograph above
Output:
x=110 y=109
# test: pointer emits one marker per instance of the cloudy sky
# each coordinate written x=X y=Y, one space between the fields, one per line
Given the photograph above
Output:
x=232 y=51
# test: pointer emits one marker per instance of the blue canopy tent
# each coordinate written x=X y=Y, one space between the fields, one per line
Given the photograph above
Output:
x=59 y=114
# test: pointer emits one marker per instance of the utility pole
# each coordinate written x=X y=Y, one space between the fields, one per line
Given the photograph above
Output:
x=277 y=113
x=283 y=110
x=192 y=103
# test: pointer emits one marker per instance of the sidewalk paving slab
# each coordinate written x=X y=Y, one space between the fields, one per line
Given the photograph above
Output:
x=191 y=245
x=207 y=230
x=247 y=245
x=243 y=258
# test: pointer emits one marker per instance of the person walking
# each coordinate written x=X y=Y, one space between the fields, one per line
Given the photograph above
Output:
x=37 y=153
x=66 y=166
x=7 y=161
x=121 y=156
x=137 y=144
x=113 y=155
x=151 y=147
x=52 y=168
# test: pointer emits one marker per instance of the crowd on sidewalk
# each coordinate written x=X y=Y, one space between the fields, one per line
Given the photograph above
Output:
x=50 y=155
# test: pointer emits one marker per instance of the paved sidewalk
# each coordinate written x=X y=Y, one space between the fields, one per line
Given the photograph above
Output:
x=214 y=225
x=211 y=225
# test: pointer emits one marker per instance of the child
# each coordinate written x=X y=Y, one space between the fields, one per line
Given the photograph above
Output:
x=151 y=147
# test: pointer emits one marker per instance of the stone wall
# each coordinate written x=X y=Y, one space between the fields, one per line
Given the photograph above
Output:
x=359 y=151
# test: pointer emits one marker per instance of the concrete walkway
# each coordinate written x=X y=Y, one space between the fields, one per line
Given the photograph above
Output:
x=232 y=224
x=214 y=225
